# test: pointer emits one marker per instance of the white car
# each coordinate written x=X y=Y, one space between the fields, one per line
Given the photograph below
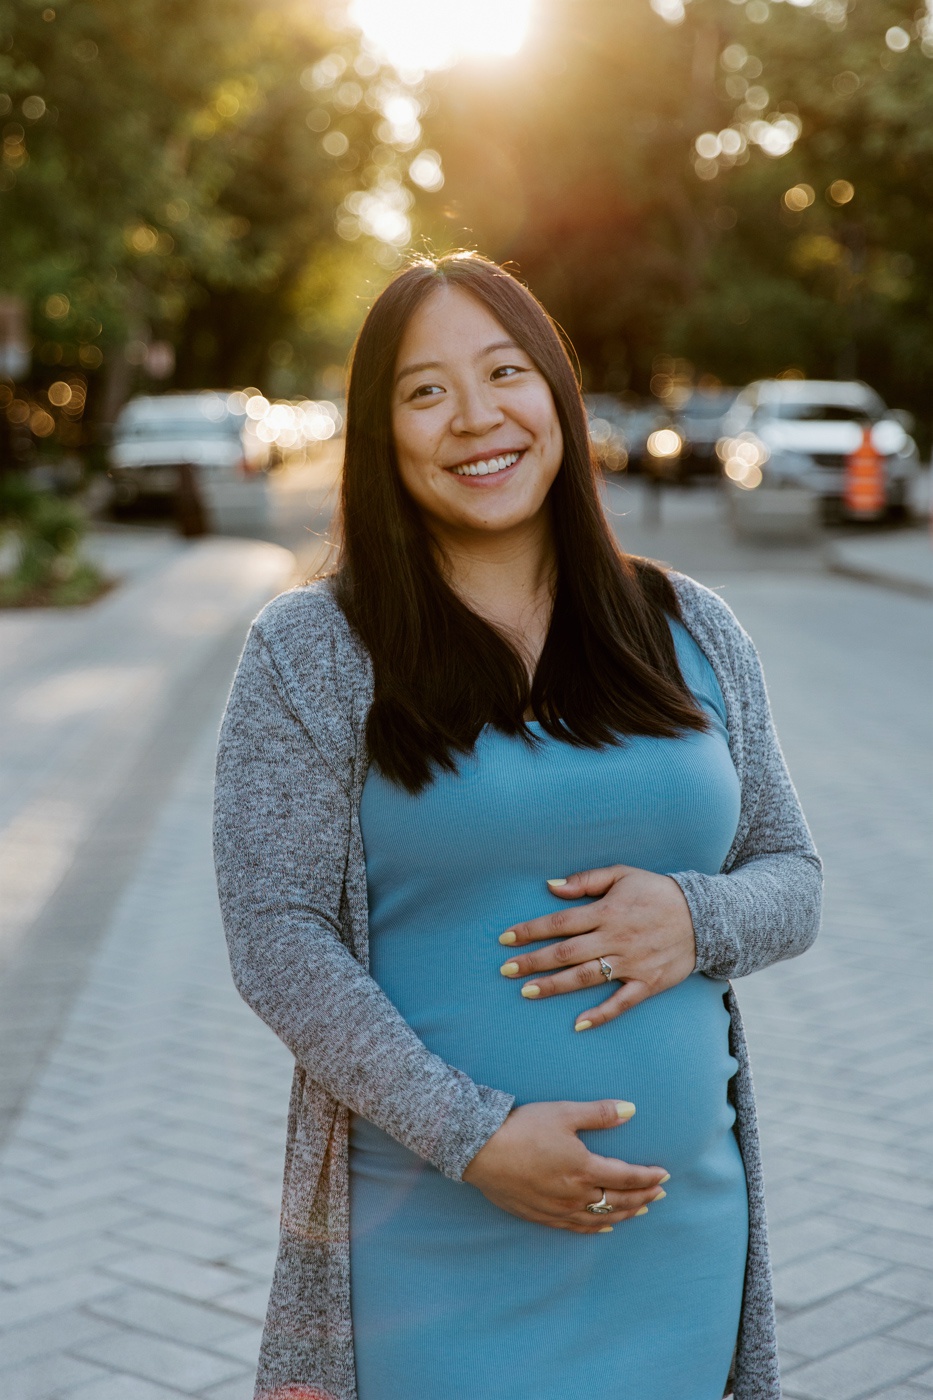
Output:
x=155 y=435
x=801 y=432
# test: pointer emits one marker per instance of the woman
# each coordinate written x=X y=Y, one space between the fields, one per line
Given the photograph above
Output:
x=499 y=810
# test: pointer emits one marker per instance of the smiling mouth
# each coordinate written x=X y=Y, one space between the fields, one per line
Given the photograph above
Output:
x=489 y=466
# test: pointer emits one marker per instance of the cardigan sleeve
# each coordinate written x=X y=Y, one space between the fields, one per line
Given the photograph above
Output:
x=282 y=819
x=765 y=906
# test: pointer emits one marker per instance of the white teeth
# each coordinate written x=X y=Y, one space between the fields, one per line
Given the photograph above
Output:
x=495 y=464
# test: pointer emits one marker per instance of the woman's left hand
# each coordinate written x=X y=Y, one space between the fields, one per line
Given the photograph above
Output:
x=640 y=926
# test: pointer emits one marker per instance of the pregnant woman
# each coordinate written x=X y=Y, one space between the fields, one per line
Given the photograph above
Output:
x=500 y=810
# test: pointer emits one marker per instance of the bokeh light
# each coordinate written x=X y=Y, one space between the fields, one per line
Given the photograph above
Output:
x=799 y=197
x=841 y=191
x=665 y=443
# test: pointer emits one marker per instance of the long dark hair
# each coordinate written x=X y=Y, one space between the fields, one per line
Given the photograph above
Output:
x=608 y=668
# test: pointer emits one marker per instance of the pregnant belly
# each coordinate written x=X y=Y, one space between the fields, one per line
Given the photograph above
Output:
x=669 y=1056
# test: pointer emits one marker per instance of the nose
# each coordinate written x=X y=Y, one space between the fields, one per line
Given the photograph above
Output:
x=477 y=411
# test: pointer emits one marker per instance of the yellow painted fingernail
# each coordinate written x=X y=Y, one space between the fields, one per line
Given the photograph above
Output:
x=660 y=1196
x=509 y=969
x=643 y=1211
x=665 y=1177
x=625 y=1110
x=557 y=882
x=604 y=1230
x=583 y=1025
x=532 y=990
x=508 y=937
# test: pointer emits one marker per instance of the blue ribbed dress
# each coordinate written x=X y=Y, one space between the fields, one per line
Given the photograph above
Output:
x=453 y=1298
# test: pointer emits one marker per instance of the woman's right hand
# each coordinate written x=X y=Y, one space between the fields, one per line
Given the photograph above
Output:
x=537 y=1168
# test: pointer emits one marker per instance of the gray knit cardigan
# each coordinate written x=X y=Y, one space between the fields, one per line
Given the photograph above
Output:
x=292 y=882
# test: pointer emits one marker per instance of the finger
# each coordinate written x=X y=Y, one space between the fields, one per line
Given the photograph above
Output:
x=628 y=995
x=599 y=1113
x=609 y=1174
x=625 y=1205
x=580 y=978
x=587 y=882
x=571 y=953
x=556 y=925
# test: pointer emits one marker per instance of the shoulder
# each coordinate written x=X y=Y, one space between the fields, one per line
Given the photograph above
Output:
x=713 y=624
x=305 y=616
x=307 y=625
x=313 y=647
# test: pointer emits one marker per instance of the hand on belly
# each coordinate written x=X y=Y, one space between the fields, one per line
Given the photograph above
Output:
x=536 y=1167
x=638 y=932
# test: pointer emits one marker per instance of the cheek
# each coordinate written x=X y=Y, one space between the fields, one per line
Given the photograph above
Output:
x=415 y=455
x=540 y=415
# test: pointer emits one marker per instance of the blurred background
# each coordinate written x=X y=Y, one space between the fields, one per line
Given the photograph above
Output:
x=703 y=195
x=727 y=208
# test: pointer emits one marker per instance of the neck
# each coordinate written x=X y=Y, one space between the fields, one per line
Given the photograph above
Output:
x=507 y=578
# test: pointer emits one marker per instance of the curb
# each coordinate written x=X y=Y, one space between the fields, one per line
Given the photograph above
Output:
x=838 y=560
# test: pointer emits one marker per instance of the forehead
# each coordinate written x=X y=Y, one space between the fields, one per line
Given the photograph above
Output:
x=447 y=324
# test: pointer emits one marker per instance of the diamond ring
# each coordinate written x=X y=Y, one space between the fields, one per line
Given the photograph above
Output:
x=601 y=1207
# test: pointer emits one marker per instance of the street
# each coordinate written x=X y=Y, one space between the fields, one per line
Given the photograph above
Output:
x=142 y=1149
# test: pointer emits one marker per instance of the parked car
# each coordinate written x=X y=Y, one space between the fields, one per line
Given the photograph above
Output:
x=621 y=432
x=205 y=441
x=699 y=420
x=802 y=432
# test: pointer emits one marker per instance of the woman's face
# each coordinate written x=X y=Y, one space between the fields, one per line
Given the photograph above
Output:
x=476 y=432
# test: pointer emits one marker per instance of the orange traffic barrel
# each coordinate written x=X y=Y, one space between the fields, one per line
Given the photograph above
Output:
x=864 y=479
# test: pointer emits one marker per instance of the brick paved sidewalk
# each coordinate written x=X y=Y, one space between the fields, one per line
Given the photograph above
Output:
x=140 y=1189
x=140 y=1185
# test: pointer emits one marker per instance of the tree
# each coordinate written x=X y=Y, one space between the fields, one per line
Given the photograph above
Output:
x=182 y=174
x=637 y=167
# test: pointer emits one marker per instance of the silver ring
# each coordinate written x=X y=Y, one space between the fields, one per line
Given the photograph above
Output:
x=601 y=1207
x=606 y=969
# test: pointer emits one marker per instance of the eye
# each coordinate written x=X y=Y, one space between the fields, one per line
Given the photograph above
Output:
x=507 y=371
x=426 y=391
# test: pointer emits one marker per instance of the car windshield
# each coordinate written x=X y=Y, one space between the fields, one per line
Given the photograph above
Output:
x=800 y=412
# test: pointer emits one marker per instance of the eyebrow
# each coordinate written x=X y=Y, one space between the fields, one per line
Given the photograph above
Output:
x=438 y=364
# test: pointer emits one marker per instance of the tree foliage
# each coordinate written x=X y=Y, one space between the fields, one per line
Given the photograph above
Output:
x=172 y=172
x=579 y=160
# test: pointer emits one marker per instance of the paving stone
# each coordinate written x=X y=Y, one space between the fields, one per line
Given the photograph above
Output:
x=81 y=1253
x=917 y=1330
x=849 y=1317
x=894 y=1392
x=41 y=1300
x=812 y=1235
x=157 y=1359
x=181 y=1237
x=32 y=1339
x=896 y=1247
x=924 y=1381
x=243 y=1345
x=183 y=1277
x=856 y=1371
x=239 y=1389
x=251 y=1302
x=48 y=1378
x=126 y=1387
x=812 y=1280
x=178 y=1319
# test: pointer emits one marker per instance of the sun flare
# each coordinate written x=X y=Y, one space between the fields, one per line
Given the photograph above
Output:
x=431 y=34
